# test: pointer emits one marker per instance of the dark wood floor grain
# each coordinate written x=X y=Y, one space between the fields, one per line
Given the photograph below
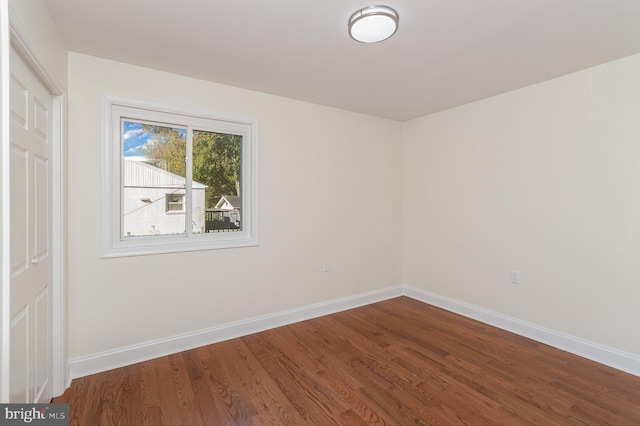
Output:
x=397 y=362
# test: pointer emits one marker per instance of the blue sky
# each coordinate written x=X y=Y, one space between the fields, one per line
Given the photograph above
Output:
x=135 y=139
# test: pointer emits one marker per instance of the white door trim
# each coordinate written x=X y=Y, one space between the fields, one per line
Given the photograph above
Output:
x=21 y=41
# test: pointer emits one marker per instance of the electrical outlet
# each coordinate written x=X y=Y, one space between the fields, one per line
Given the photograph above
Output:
x=325 y=266
x=515 y=277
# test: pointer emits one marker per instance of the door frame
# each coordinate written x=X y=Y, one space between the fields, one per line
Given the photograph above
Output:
x=16 y=36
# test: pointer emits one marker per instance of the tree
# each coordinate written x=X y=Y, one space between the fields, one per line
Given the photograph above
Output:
x=168 y=148
x=216 y=163
x=216 y=158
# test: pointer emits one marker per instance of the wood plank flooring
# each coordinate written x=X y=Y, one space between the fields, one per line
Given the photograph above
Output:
x=397 y=362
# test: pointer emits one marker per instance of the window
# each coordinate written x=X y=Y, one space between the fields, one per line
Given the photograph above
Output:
x=176 y=180
x=175 y=203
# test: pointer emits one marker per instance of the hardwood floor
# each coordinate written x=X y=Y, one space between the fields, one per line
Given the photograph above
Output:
x=396 y=362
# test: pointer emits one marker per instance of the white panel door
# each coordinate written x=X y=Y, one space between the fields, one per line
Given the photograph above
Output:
x=31 y=327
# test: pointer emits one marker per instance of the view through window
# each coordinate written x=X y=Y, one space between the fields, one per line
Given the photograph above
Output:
x=160 y=164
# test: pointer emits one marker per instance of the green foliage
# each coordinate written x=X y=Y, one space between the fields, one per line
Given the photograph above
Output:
x=216 y=163
x=216 y=158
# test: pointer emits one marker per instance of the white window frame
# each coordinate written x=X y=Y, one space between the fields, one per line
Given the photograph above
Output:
x=113 y=243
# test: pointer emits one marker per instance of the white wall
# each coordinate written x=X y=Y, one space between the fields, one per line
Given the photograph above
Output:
x=327 y=180
x=544 y=180
x=32 y=17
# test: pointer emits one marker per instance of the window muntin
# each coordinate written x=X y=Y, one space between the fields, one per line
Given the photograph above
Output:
x=176 y=181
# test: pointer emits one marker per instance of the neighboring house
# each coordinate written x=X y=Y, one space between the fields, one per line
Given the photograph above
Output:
x=225 y=215
x=153 y=201
x=228 y=203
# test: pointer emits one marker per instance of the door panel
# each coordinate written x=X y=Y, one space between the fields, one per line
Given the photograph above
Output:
x=31 y=333
x=41 y=207
x=19 y=210
x=18 y=103
x=19 y=381
x=40 y=120
x=41 y=346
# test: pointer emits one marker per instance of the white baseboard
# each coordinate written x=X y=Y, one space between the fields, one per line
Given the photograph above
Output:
x=108 y=360
x=590 y=350
x=120 y=357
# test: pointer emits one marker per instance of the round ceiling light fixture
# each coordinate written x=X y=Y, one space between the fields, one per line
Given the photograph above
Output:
x=373 y=24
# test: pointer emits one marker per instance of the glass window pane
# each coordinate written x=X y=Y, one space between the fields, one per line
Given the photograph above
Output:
x=154 y=179
x=216 y=182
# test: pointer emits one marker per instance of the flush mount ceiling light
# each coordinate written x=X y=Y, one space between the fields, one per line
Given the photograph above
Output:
x=373 y=24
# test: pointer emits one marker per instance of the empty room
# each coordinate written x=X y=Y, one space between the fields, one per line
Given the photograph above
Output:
x=250 y=212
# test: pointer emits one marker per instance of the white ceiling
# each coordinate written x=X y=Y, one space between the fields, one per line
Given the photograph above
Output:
x=445 y=53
